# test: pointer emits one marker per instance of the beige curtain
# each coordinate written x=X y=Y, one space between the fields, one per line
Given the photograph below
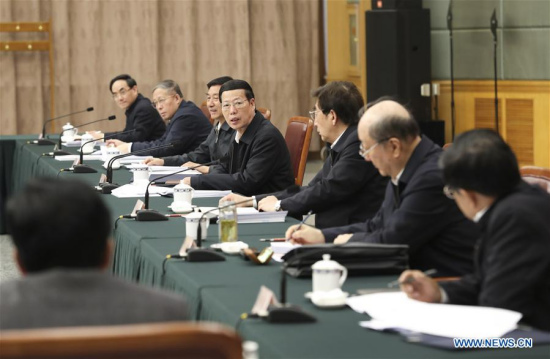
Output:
x=273 y=44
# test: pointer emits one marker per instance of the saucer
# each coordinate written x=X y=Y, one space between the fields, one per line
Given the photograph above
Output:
x=233 y=247
x=181 y=209
x=333 y=299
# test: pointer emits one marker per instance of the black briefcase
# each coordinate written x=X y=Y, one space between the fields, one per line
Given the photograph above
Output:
x=358 y=258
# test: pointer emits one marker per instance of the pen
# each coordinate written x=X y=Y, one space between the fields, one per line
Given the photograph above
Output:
x=272 y=239
x=173 y=215
x=301 y=223
x=410 y=279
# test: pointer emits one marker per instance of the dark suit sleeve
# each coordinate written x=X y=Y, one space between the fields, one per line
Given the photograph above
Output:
x=348 y=175
x=514 y=264
x=359 y=229
x=256 y=172
x=200 y=155
x=146 y=119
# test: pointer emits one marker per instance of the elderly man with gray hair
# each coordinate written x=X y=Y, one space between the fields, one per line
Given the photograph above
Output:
x=187 y=125
x=415 y=210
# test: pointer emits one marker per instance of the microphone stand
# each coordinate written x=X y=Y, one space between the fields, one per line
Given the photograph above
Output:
x=43 y=141
x=494 y=24
x=207 y=255
x=147 y=214
x=82 y=168
x=108 y=186
x=450 y=27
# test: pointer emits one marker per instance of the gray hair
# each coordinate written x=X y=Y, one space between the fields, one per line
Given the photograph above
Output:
x=169 y=86
x=405 y=128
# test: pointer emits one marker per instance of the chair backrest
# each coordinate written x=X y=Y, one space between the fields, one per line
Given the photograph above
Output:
x=156 y=340
x=265 y=111
x=536 y=175
x=298 y=139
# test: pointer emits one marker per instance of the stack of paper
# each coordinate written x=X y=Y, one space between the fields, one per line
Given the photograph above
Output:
x=130 y=191
x=251 y=215
x=281 y=248
x=396 y=310
x=74 y=157
x=210 y=193
x=154 y=174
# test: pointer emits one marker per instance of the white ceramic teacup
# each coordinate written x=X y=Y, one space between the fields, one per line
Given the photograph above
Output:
x=141 y=174
x=87 y=148
x=69 y=131
x=328 y=275
x=183 y=193
x=192 y=223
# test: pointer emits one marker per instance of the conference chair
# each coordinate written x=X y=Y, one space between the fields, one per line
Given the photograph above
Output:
x=298 y=139
x=265 y=111
x=536 y=175
x=156 y=340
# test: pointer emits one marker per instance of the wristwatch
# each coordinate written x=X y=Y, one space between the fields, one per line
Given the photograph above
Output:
x=278 y=206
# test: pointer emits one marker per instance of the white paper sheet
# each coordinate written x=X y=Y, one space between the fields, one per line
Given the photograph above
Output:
x=396 y=310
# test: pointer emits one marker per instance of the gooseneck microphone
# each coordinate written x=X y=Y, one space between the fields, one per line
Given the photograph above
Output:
x=110 y=118
x=43 y=141
x=207 y=255
x=81 y=167
x=147 y=214
x=494 y=25
x=108 y=186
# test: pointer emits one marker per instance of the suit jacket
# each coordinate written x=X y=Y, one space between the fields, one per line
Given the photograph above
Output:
x=512 y=261
x=259 y=163
x=215 y=147
x=62 y=298
x=347 y=189
x=188 y=127
x=418 y=214
x=142 y=117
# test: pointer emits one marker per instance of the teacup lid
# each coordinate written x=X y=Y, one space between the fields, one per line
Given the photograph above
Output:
x=195 y=217
x=68 y=126
x=87 y=136
x=182 y=185
x=326 y=264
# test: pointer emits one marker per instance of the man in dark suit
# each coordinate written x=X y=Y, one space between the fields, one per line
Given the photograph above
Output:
x=216 y=145
x=61 y=234
x=187 y=125
x=259 y=160
x=512 y=259
x=415 y=211
x=140 y=115
x=347 y=189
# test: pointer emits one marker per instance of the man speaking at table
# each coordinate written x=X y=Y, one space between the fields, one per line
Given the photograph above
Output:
x=259 y=161
x=61 y=233
x=415 y=211
x=512 y=261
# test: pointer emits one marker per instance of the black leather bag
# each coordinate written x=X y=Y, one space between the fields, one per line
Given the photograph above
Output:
x=358 y=258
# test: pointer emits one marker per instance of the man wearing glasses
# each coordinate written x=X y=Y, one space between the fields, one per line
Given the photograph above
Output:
x=347 y=190
x=259 y=161
x=217 y=143
x=512 y=259
x=187 y=125
x=415 y=211
x=140 y=116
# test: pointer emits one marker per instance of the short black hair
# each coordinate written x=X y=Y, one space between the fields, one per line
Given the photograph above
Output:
x=238 y=85
x=58 y=223
x=129 y=81
x=405 y=128
x=343 y=98
x=481 y=161
x=219 y=81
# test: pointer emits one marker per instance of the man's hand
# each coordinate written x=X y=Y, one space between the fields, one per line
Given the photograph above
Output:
x=123 y=147
x=201 y=169
x=419 y=286
x=267 y=204
x=187 y=181
x=237 y=198
x=152 y=161
x=115 y=143
x=304 y=235
x=97 y=135
x=343 y=238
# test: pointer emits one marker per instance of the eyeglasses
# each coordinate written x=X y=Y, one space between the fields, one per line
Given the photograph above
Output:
x=121 y=93
x=449 y=192
x=313 y=113
x=238 y=104
x=160 y=101
x=364 y=152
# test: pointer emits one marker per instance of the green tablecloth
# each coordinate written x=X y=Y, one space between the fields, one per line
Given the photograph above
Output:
x=221 y=291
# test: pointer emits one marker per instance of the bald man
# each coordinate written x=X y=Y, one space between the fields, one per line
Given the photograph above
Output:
x=415 y=210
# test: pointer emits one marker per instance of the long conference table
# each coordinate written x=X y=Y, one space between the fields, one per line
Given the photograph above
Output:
x=222 y=291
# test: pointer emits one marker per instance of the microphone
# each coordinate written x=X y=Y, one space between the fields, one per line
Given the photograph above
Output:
x=108 y=186
x=110 y=118
x=42 y=141
x=207 y=255
x=147 y=214
x=82 y=168
x=494 y=24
